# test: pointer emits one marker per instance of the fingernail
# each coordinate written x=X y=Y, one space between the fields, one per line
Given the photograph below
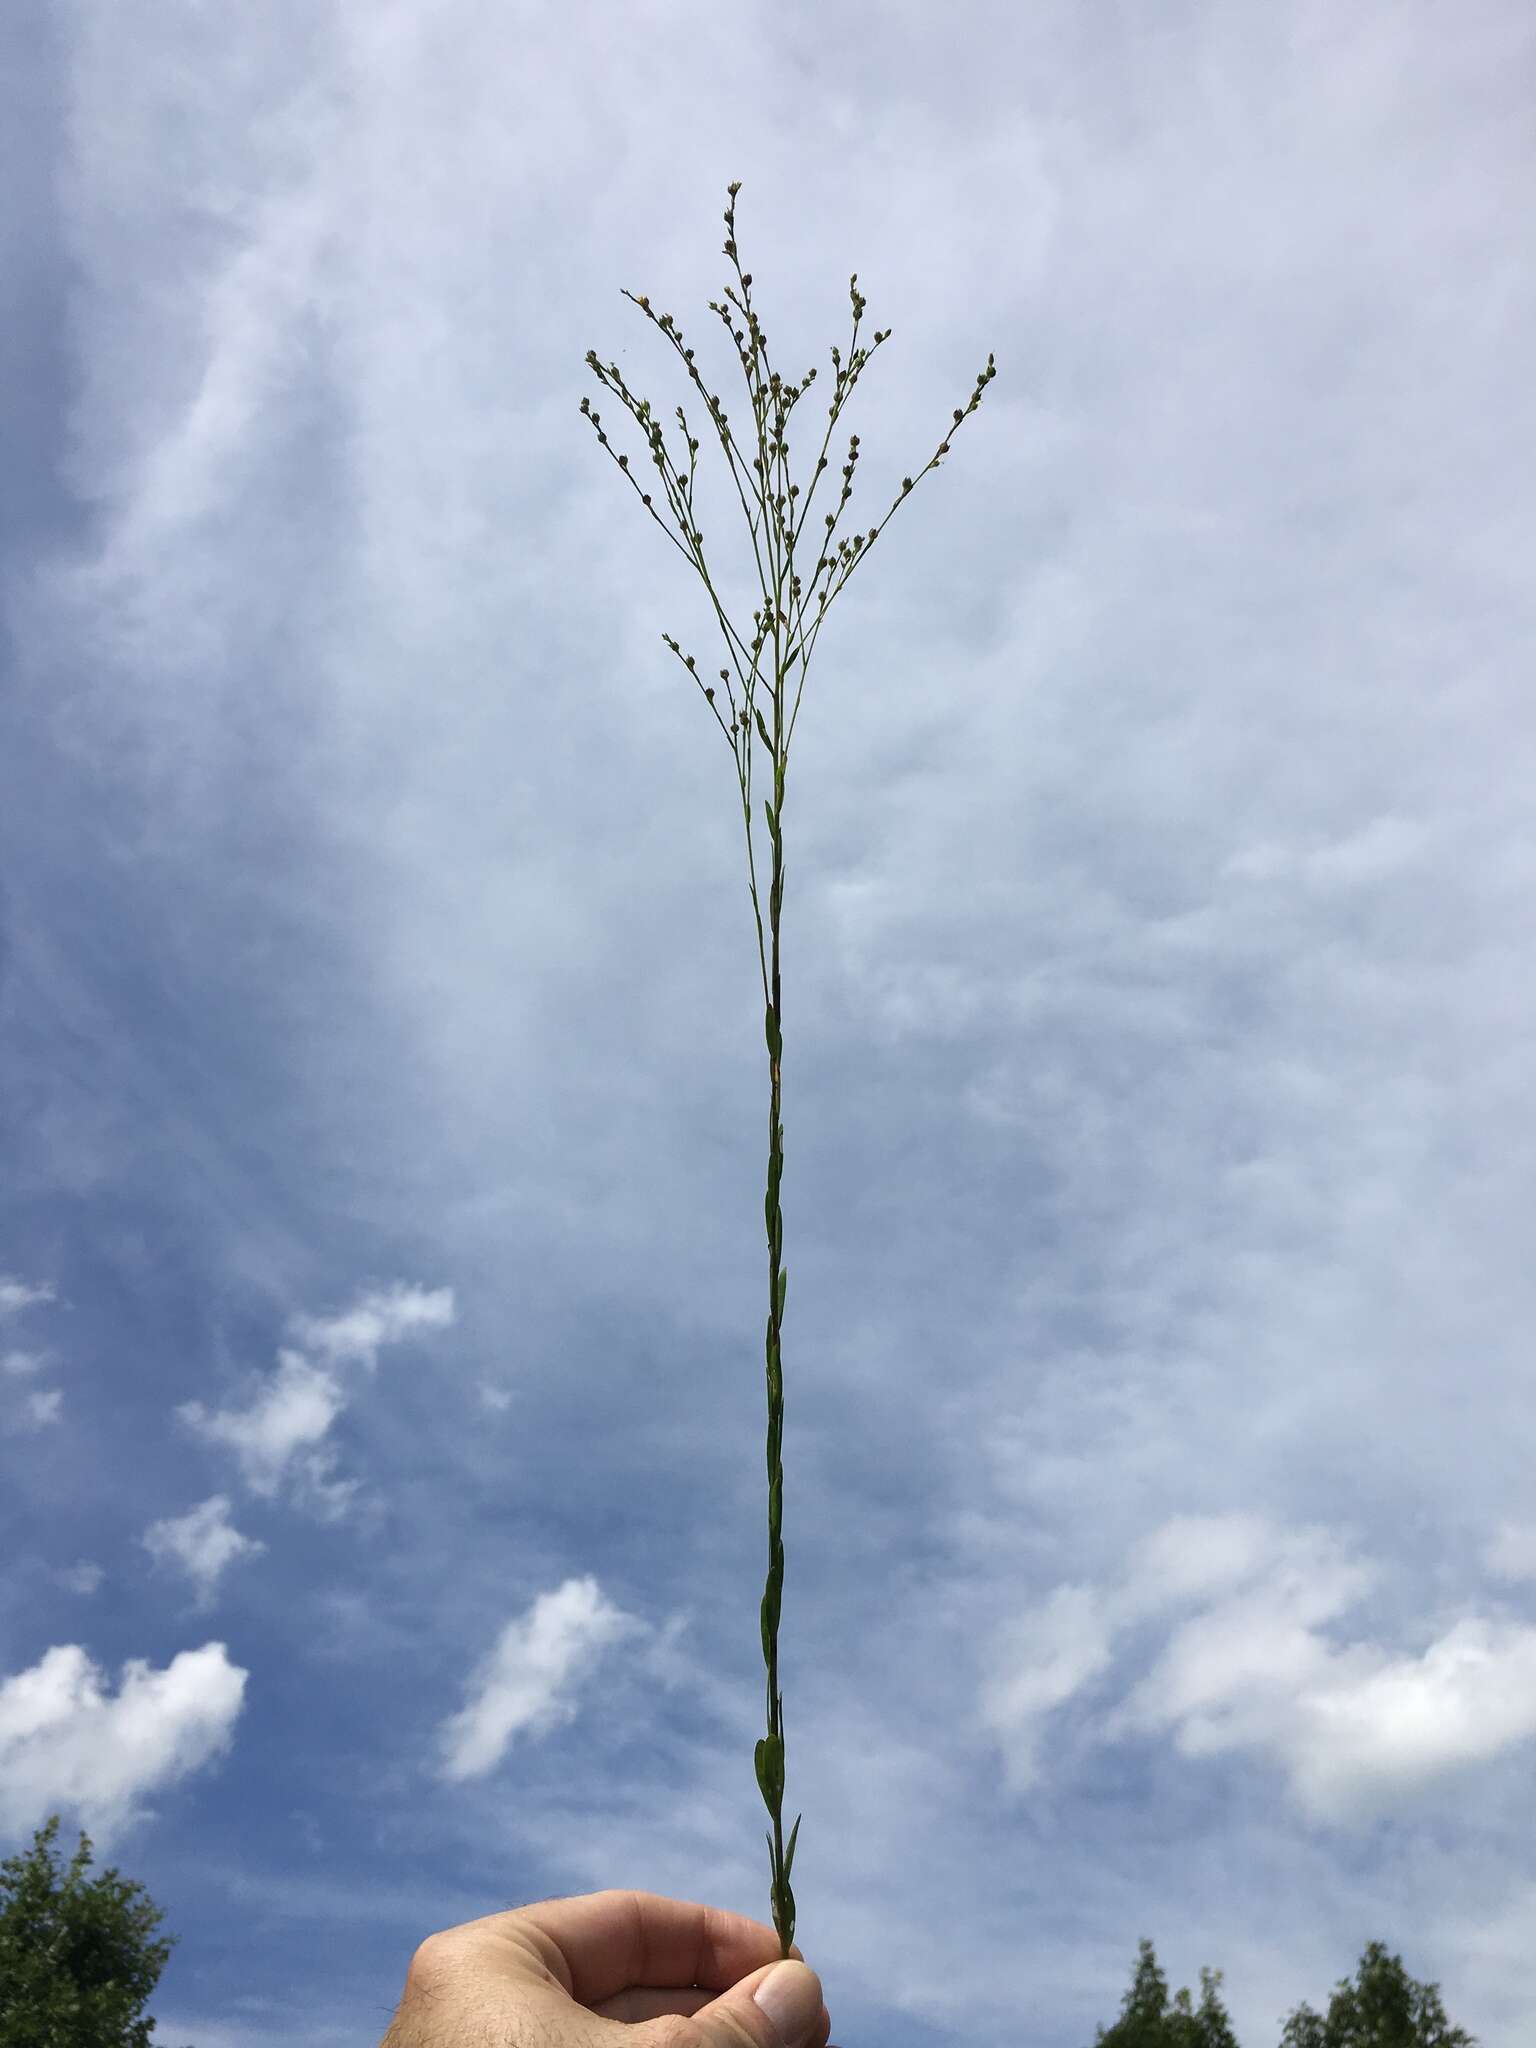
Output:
x=790 y=1994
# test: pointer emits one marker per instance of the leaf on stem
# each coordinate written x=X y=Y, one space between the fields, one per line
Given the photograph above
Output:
x=770 y=1770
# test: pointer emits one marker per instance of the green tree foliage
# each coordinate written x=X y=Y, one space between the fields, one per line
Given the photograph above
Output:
x=1148 y=2021
x=77 y=1962
x=1383 y=2008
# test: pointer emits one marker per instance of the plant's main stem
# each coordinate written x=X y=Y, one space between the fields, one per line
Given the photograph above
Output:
x=770 y=1752
x=775 y=529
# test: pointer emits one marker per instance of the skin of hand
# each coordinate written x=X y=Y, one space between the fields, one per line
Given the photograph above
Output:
x=570 y=1973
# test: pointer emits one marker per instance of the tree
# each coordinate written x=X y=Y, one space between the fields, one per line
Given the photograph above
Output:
x=77 y=1962
x=1208 y=2025
x=1383 y=2008
x=1147 y=2021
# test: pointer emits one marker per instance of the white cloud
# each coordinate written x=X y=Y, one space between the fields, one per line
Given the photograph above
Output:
x=381 y=1317
x=1356 y=1729
x=1360 y=1739
x=203 y=1542
x=497 y=1399
x=1197 y=1555
x=1039 y=1663
x=295 y=1410
x=276 y=1436
x=525 y=1683
x=41 y=1408
x=66 y=1741
x=15 y=1295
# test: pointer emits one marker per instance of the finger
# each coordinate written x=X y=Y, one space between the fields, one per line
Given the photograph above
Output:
x=639 y=2004
x=602 y=1943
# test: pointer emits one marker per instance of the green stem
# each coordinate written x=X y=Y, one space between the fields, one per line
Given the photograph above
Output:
x=770 y=1752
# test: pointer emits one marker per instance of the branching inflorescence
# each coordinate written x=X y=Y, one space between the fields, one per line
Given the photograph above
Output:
x=786 y=629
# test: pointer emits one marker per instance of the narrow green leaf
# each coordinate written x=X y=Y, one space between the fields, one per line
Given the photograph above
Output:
x=767 y=742
x=789 y=1859
x=769 y=1758
x=775 y=1042
x=783 y=1289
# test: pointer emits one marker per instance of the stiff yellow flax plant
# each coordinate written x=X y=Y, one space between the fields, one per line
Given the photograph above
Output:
x=783 y=639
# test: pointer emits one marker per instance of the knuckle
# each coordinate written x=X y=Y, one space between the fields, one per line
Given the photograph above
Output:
x=429 y=1963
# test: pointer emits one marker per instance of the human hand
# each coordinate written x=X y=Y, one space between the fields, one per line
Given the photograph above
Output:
x=564 y=1972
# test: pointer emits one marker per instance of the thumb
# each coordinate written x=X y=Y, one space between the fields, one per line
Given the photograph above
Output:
x=779 y=2007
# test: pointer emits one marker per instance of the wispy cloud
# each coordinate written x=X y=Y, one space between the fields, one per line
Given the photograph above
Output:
x=271 y=1437
x=526 y=1685
x=83 y=1577
x=279 y=1438
x=1512 y=1553
x=376 y=1319
x=35 y=1408
x=1357 y=1729
x=203 y=1542
x=16 y=1295
x=38 y=1409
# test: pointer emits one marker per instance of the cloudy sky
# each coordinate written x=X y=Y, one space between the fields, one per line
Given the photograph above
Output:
x=382 y=1084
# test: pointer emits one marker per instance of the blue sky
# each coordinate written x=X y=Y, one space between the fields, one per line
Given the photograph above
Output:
x=382 y=1088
